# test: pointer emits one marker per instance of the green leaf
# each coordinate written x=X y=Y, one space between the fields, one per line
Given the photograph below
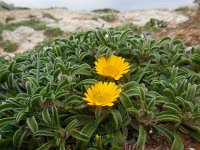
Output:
x=89 y=128
x=98 y=113
x=46 y=116
x=79 y=135
x=163 y=130
x=140 y=145
x=55 y=116
x=117 y=118
x=62 y=145
x=71 y=125
x=191 y=92
x=124 y=35
x=62 y=85
x=117 y=139
x=101 y=37
x=7 y=120
x=86 y=82
x=44 y=133
x=19 y=136
x=174 y=108
x=6 y=107
x=177 y=143
x=32 y=123
x=141 y=93
x=82 y=119
x=47 y=145
x=126 y=102
x=21 y=115
x=167 y=116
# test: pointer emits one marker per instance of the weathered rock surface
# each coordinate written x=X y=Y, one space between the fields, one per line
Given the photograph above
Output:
x=70 y=21
x=25 y=37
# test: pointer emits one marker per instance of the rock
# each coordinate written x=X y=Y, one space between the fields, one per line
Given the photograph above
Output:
x=25 y=37
x=70 y=21
x=142 y=17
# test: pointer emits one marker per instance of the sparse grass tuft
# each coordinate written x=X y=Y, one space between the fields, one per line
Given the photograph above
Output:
x=109 y=17
x=53 y=32
x=46 y=43
x=50 y=16
x=137 y=29
x=10 y=18
x=35 y=24
x=8 y=46
x=106 y=10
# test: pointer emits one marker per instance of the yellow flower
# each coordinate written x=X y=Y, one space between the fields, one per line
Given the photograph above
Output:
x=102 y=94
x=113 y=67
x=97 y=137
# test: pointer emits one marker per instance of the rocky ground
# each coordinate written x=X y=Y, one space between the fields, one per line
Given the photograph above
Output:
x=26 y=37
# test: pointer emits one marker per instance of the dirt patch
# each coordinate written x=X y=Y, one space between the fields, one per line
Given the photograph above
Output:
x=189 y=30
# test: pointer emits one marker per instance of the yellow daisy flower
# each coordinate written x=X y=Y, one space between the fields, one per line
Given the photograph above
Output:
x=113 y=67
x=102 y=94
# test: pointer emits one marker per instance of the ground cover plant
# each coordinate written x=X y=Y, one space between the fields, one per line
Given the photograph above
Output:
x=8 y=46
x=100 y=89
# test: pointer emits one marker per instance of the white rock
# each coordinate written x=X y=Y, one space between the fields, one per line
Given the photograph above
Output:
x=25 y=37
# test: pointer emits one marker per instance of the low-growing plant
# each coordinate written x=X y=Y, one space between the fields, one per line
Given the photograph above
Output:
x=1 y=28
x=53 y=32
x=106 y=10
x=48 y=42
x=8 y=46
x=156 y=23
x=47 y=15
x=100 y=89
x=9 y=18
x=109 y=17
x=35 y=24
x=146 y=29
x=3 y=60
x=183 y=9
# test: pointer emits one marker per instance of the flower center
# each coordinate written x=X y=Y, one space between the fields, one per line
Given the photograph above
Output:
x=102 y=98
x=111 y=70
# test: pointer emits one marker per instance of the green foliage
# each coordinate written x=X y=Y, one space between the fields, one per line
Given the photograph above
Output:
x=47 y=15
x=106 y=10
x=41 y=94
x=8 y=46
x=147 y=29
x=183 y=9
x=2 y=60
x=5 y=6
x=53 y=32
x=109 y=17
x=44 y=44
x=9 y=18
x=35 y=24
x=156 y=23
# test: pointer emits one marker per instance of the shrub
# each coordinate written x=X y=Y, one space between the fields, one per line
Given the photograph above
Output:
x=156 y=23
x=106 y=10
x=53 y=32
x=8 y=46
x=109 y=17
x=42 y=94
